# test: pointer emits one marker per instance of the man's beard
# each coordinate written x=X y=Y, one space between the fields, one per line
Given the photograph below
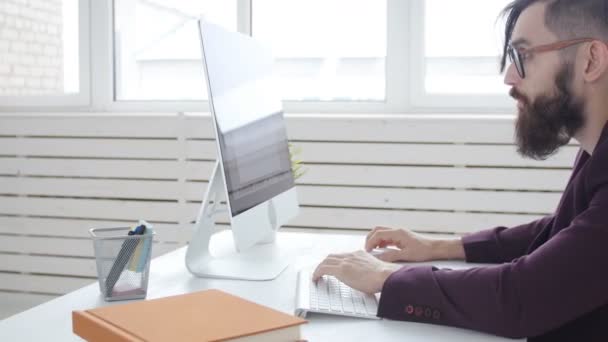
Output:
x=549 y=122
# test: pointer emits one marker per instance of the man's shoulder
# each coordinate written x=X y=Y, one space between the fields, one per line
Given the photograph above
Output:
x=596 y=168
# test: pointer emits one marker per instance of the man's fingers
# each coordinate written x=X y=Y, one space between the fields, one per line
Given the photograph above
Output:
x=381 y=238
x=332 y=261
x=375 y=230
x=324 y=269
x=338 y=255
x=390 y=255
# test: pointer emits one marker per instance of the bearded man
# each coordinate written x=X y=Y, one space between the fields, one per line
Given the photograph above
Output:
x=551 y=281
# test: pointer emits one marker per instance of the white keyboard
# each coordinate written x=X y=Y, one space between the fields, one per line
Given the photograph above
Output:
x=331 y=296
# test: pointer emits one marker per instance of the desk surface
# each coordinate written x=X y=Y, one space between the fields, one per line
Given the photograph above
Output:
x=168 y=276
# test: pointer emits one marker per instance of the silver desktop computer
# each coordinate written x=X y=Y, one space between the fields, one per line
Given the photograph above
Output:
x=253 y=172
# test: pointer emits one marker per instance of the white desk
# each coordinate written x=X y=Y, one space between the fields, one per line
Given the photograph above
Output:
x=52 y=321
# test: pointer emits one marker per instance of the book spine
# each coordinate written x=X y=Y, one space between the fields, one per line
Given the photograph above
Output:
x=94 y=329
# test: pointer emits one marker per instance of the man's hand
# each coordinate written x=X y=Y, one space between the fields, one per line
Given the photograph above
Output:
x=411 y=246
x=359 y=270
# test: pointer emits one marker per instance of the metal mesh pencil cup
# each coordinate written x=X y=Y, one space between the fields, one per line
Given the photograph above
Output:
x=123 y=262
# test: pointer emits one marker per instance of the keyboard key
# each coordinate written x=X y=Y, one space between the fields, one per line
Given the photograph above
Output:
x=371 y=304
x=330 y=295
x=359 y=306
x=348 y=306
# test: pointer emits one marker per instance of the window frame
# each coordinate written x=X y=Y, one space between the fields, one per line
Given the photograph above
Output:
x=422 y=101
x=405 y=64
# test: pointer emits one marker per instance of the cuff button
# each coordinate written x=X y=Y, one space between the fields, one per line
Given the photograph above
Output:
x=409 y=309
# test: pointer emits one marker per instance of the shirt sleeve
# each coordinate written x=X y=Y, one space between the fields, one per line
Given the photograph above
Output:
x=503 y=244
x=561 y=280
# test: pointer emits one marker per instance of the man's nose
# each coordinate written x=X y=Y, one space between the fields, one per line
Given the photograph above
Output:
x=512 y=77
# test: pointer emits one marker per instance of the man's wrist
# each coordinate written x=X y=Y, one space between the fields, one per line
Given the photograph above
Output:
x=449 y=249
x=388 y=270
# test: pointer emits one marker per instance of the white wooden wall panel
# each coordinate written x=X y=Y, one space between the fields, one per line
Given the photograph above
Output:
x=92 y=188
x=91 y=208
x=496 y=129
x=96 y=148
x=417 y=199
x=436 y=177
x=45 y=264
x=71 y=247
x=61 y=175
x=387 y=128
x=93 y=168
x=42 y=283
x=459 y=177
x=75 y=228
x=47 y=245
x=448 y=200
x=427 y=221
x=426 y=154
x=407 y=154
x=133 y=125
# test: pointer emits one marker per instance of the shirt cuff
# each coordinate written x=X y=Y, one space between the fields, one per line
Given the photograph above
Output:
x=480 y=246
x=408 y=295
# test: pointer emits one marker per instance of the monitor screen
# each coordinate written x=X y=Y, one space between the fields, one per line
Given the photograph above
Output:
x=248 y=113
x=256 y=162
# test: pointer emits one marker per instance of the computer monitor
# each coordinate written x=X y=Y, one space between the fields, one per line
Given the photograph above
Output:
x=253 y=173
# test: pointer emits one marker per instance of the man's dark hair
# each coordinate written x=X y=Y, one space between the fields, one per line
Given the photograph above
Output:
x=568 y=19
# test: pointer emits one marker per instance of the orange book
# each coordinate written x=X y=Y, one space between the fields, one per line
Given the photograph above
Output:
x=210 y=315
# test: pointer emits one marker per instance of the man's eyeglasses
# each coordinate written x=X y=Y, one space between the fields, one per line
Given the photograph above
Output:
x=519 y=55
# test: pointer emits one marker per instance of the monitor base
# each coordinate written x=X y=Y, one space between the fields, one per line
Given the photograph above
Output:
x=220 y=259
x=261 y=262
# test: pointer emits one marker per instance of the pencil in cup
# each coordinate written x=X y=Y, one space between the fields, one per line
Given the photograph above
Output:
x=122 y=261
x=125 y=254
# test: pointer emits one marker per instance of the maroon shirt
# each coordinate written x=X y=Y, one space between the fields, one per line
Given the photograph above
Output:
x=552 y=284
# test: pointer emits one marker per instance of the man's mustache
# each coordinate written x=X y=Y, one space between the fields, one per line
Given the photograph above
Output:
x=514 y=93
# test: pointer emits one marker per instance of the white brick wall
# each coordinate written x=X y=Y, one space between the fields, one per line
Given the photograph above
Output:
x=31 y=51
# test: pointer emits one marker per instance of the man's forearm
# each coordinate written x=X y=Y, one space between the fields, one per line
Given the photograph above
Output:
x=449 y=249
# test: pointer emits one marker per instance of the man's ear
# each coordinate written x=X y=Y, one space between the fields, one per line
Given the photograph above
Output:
x=596 y=56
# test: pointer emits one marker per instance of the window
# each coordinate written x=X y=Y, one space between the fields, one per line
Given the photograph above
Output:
x=332 y=56
x=461 y=50
x=42 y=52
x=316 y=59
x=454 y=61
x=157 y=48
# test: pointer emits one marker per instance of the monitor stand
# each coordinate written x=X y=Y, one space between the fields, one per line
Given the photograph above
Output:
x=263 y=261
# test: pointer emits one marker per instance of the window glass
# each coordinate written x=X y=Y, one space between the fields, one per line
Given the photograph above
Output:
x=322 y=58
x=157 y=47
x=462 y=48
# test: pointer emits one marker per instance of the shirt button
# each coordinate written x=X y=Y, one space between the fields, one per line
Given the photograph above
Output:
x=409 y=309
x=419 y=311
x=428 y=313
x=436 y=314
